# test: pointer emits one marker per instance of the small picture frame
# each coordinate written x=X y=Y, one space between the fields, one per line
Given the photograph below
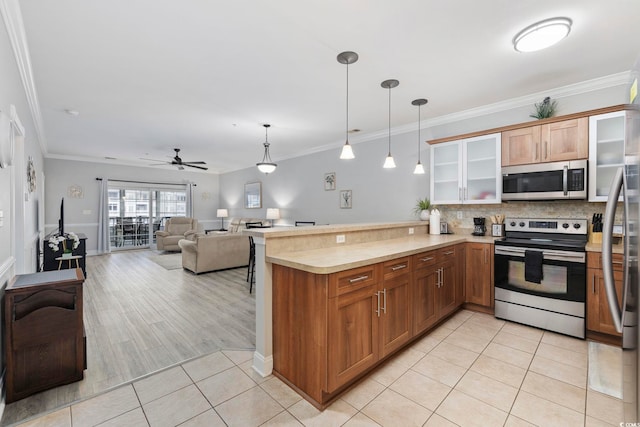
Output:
x=345 y=199
x=329 y=181
x=253 y=195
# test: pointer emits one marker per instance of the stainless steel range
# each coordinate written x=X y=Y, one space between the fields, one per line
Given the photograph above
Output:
x=540 y=274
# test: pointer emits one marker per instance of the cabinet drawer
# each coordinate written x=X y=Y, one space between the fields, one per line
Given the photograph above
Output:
x=448 y=253
x=425 y=259
x=396 y=267
x=594 y=260
x=351 y=280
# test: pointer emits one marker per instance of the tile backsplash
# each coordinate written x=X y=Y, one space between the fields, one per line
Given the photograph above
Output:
x=537 y=209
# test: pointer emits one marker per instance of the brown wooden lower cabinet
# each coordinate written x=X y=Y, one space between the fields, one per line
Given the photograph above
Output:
x=44 y=341
x=331 y=329
x=598 y=315
x=479 y=274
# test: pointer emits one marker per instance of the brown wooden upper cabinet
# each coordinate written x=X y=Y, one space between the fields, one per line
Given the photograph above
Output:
x=550 y=142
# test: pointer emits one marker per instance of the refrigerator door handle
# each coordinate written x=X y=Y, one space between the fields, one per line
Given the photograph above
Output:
x=607 y=261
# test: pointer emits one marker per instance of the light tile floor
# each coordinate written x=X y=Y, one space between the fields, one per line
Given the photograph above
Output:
x=473 y=370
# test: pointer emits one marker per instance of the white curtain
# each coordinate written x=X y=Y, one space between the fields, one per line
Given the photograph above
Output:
x=104 y=244
x=189 y=191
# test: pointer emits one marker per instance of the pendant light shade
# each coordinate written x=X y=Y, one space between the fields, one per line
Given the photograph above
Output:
x=389 y=163
x=347 y=58
x=542 y=34
x=266 y=165
x=419 y=170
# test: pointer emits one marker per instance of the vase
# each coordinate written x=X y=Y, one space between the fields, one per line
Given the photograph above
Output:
x=424 y=215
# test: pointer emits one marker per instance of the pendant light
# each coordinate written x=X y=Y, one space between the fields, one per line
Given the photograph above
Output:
x=419 y=170
x=389 y=84
x=266 y=165
x=347 y=58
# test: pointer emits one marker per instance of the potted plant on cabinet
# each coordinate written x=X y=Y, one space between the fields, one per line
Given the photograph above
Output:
x=422 y=208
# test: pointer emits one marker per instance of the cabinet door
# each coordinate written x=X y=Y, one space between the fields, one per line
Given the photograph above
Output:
x=448 y=286
x=424 y=299
x=598 y=314
x=446 y=173
x=395 y=314
x=478 y=274
x=606 y=152
x=353 y=344
x=566 y=140
x=482 y=177
x=521 y=146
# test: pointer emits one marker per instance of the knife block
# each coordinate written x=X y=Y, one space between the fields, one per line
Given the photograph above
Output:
x=595 y=237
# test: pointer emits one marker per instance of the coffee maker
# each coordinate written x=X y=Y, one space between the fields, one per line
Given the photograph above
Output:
x=478 y=227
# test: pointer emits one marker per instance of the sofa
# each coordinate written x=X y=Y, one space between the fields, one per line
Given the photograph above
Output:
x=176 y=229
x=217 y=250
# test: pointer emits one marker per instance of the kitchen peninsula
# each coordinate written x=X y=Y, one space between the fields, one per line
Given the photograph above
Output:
x=344 y=308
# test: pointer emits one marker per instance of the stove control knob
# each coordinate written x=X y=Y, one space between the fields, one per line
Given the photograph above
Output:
x=565 y=225
x=521 y=224
x=513 y=223
x=576 y=225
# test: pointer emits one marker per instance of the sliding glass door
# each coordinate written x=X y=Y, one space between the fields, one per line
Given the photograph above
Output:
x=136 y=213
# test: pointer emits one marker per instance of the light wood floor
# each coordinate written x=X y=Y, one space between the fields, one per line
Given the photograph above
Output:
x=140 y=318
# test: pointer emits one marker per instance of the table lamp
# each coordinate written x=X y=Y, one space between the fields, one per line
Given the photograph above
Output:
x=222 y=213
x=273 y=213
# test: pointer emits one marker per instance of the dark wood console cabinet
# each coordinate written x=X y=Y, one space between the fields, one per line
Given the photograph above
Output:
x=44 y=341
x=50 y=256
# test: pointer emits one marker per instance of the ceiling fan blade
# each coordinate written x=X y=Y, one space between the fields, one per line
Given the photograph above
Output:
x=194 y=163
x=153 y=160
x=194 y=166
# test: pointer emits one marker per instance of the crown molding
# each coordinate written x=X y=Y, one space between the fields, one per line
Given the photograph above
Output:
x=12 y=17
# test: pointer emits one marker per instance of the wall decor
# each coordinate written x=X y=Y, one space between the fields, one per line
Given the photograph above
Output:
x=345 y=199
x=329 y=181
x=75 y=191
x=31 y=175
x=253 y=195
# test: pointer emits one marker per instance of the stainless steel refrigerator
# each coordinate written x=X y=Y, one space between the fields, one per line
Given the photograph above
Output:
x=625 y=317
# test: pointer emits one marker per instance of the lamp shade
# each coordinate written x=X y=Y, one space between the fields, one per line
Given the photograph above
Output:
x=222 y=213
x=273 y=213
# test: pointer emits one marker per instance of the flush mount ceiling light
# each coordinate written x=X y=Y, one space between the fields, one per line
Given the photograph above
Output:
x=347 y=58
x=419 y=170
x=266 y=165
x=389 y=84
x=542 y=34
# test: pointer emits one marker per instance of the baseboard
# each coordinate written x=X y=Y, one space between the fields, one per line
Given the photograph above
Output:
x=262 y=365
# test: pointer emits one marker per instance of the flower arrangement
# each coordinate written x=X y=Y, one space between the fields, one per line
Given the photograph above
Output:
x=56 y=239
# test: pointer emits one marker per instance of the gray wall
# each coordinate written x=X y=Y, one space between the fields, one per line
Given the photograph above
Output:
x=297 y=187
x=81 y=214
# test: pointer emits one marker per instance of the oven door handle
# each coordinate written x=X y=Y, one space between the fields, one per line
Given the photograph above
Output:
x=607 y=258
x=547 y=253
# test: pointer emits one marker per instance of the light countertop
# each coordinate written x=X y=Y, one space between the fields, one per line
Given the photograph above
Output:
x=340 y=258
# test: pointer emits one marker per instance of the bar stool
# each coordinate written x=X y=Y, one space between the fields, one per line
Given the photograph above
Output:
x=252 y=264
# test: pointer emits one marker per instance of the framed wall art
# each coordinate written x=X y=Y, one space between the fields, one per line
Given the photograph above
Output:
x=329 y=181
x=345 y=199
x=253 y=195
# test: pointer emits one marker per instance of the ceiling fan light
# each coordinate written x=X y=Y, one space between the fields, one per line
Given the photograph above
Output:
x=542 y=34
x=347 y=152
x=419 y=170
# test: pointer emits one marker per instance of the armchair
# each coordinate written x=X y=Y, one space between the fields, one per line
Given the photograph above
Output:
x=176 y=228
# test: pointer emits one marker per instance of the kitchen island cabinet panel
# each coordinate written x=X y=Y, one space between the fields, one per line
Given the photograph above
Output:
x=479 y=276
x=598 y=315
x=395 y=314
x=425 y=283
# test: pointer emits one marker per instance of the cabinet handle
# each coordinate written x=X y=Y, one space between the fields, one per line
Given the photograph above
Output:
x=438 y=279
x=398 y=267
x=449 y=253
x=537 y=151
x=486 y=258
x=384 y=300
x=593 y=284
x=429 y=258
x=378 y=309
x=546 y=149
x=358 y=279
x=441 y=277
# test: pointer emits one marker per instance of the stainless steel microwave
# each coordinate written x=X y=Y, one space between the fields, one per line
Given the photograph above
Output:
x=545 y=181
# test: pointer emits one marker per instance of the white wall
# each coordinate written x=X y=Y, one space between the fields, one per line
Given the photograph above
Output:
x=81 y=214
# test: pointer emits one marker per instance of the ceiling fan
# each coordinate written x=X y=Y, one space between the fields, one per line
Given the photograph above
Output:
x=179 y=163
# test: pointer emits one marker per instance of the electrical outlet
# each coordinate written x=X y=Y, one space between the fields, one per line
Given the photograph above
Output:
x=410 y=230
x=340 y=238
x=459 y=214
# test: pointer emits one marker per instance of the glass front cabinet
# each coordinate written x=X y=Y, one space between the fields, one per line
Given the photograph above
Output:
x=466 y=171
x=606 y=152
